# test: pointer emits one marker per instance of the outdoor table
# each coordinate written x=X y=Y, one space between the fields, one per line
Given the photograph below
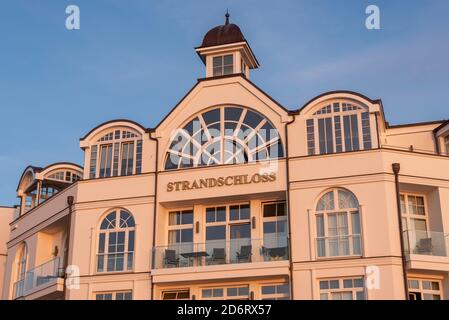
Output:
x=194 y=255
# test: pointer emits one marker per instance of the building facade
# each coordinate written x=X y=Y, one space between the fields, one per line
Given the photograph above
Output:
x=233 y=196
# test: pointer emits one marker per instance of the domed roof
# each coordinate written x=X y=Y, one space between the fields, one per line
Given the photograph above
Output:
x=224 y=34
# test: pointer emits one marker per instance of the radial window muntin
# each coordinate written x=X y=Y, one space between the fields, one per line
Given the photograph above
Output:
x=224 y=135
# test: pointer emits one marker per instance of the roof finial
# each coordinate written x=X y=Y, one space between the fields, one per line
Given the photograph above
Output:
x=227 y=17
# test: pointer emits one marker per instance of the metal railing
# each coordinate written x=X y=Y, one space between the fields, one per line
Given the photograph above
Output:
x=339 y=246
x=424 y=242
x=218 y=252
x=38 y=276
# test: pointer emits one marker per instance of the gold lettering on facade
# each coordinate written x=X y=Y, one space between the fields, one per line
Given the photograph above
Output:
x=221 y=181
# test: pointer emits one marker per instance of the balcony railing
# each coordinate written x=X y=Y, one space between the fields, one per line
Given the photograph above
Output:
x=426 y=243
x=218 y=252
x=338 y=246
x=38 y=276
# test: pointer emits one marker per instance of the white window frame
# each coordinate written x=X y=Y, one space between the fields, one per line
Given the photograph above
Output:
x=407 y=216
x=337 y=211
x=121 y=140
x=421 y=289
x=340 y=114
x=329 y=292
x=176 y=227
x=225 y=292
x=276 y=295
x=113 y=294
x=222 y=65
x=177 y=292
x=106 y=253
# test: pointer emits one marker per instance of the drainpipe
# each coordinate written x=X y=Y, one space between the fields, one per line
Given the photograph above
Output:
x=287 y=173
x=396 y=168
x=70 y=200
x=154 y=211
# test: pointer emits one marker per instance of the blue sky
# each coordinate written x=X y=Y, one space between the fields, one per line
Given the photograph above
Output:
x=135 y=60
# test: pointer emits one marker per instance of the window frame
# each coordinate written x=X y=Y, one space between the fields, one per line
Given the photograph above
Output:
x=277 y=218
x=336 y=211
x=313 y=134
x=185 y=147
x=116 y=138
x=407 y=216
x=222 y=66
x=228 y=223
x=180 y=227
x=420 y=290
x=106 y=245
x=177 y=292
x=341 y=288
x=225 y=295
x=276 y=295
x=113 y=295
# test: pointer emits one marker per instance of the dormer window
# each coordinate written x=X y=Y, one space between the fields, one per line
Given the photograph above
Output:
x=223 y=65
x=339 y=127
x=116 y=153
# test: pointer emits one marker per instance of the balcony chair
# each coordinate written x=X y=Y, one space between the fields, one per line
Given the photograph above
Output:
x=171 y=259
x=425 y=246
x=244 y=254
x=218 y=256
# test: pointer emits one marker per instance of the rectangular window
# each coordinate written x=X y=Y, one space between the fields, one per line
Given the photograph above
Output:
x=424 y=289
x=351 y=132
x=93 y=162
x=127 y=158
x=310 y=137
x=239 y=212
x=106 y=161
x=226 y=293
x=342 y=289
x=119 y=295
x=223 y=65
x=338 y=139
x=275 y=229
x=277 y=291
x=418 y=239
x=116 y=158
x=366 y=131
x=326 y=136
x=139 y=157
x=176 y=295
x=180 y=234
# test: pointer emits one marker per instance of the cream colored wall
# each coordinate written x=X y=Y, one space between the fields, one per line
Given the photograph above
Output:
x=6 y=215
x=420 y=137
x=196 y=287
x=133 y=194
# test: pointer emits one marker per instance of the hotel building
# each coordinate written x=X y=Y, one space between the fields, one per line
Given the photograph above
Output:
x=234 y=196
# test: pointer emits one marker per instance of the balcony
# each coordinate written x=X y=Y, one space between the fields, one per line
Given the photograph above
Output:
x=42 y=277
x=338 y=246
x=429 y=243
x=220 y=252
x=427 y=250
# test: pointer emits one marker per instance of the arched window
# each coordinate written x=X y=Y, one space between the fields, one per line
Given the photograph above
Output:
x=117 y=153
x=338 y=224
x=339 y=127
x=116 y=242
x=22 y=260
x=225 y=135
